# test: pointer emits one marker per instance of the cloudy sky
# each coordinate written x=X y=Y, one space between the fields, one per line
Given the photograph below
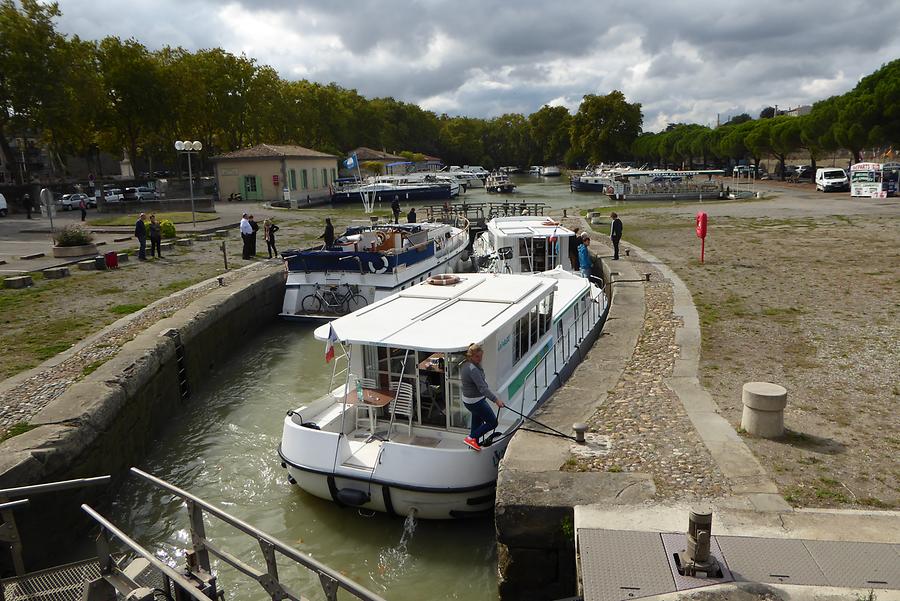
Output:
x=684 y=61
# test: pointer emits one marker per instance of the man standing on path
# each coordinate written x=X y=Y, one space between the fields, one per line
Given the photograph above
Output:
x=140 y=232
x=615 y=234
x=328 y=234
x=584 y=257
x=254 y=227
x=246 y=231
x=395 y=208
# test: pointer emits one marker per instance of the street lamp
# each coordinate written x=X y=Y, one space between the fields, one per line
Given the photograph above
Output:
x=187 y=147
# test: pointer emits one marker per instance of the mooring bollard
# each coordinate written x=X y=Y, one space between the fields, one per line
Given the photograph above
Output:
x=764 y=405
x=580 y=429
x=56 y=273
x=18 y=281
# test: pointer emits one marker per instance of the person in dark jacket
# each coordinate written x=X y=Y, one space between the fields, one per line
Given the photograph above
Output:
x=411 y=216
x=474 y=392
x=328 y=234
x=155 y=237
x=26 y=200
x=615 y=234
x=269 y=229
x=140 y=232
x=255 y=227
x=574 y=241
x=395 y=208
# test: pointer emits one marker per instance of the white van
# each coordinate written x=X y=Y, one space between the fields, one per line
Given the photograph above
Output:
x=832 y=178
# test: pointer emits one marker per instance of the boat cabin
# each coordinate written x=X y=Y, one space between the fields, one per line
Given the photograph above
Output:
x=525 y=244
x=419 y=337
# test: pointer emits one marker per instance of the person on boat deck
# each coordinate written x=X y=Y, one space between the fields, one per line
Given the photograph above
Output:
x=475 y=391
x=574 y=241
x=328 y=234
x=395 y=208
x=411 y=216
x=584 y=257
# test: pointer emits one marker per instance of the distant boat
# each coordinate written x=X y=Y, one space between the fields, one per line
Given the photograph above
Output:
x=353 y=191
x=498 y=183
x=652 y=184
x=535 y=170
x=551 y=171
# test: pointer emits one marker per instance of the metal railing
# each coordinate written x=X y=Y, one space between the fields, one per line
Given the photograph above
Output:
x=330 y=580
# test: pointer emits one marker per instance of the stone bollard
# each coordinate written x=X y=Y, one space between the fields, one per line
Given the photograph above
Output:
x=123 y=257
x=184 y=242
x=764 y=405
x=56 y=273
x=222 y=233
x=87 y=265
x=19 y=281
x=204 y=237
x=166 y=246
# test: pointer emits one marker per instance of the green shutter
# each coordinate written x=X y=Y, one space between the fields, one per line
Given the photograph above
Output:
x=293 y=179
x=259 y=193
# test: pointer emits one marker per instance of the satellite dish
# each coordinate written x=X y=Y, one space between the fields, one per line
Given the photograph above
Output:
x=197 y=145
x=179 y=145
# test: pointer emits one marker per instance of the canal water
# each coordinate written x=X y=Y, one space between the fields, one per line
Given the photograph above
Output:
x=222 y=447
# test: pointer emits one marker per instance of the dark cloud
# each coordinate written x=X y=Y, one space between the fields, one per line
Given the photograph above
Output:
x=682 y=60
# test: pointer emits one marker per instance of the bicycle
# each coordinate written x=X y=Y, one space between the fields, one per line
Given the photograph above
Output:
x=330 y=301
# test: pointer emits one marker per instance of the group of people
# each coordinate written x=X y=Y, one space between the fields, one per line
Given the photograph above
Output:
x=249 y=227
x=395 y=209
x=578 y=246
x=152 y=230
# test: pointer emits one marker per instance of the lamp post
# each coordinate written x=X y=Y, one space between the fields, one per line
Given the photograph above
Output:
x=187 y=147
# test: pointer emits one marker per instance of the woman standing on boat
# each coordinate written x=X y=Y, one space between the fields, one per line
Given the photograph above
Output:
x=475 y=391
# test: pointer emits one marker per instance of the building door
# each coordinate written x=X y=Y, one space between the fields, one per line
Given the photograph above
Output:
x=252 y=188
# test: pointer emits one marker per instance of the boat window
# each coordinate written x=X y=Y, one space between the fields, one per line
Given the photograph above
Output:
x=525 y=255
x=458 y=414
x=432 y=388
x=545 y=314
x=522 y=340
x=533 y=318
x=370 y=362
x=540 y=248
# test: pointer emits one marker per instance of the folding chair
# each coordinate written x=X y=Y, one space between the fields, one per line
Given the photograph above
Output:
x=403 y=401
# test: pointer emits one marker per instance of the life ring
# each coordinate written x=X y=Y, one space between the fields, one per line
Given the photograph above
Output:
x=443 y=279
x=382 y=269
x=550 y=222
x=609 y=190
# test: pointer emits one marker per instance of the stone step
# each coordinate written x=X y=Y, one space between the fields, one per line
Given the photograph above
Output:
x=32 y=256
x=87 y=265
x=184 y=242
x=204 y=237
x=124 y=239
x=18 y=281
x=56 y=273
x=123 y=257
x=166 y=245
x=222 y=233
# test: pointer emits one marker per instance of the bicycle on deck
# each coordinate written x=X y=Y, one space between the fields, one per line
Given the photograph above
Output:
x=329 y=300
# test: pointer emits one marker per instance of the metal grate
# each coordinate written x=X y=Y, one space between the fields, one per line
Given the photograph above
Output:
x=857 y=565
x=63 y=583
x=770 y=560
x=617 y=565
x=674 y=543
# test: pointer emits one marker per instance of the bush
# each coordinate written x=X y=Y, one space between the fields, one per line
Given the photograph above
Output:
x=72 y=235
x=168 y=228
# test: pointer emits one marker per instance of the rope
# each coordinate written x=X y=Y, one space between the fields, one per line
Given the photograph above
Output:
x=556 y=432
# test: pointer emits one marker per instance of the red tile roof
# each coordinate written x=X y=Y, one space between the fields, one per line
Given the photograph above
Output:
x=274 y=151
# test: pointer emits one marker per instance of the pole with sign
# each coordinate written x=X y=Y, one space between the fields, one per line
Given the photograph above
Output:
x=701 y=232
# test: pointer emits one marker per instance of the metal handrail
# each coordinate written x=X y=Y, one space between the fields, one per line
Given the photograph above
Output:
x=35 y=489
x=106 y=563
x=330 y=579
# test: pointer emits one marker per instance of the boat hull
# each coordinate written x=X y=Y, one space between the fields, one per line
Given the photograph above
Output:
x=581 y=186
x=412 y=194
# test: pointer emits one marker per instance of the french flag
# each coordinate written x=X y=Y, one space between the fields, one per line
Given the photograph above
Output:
x=329 y=344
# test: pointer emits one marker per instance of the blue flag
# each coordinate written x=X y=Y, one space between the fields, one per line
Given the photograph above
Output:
x=352 y=162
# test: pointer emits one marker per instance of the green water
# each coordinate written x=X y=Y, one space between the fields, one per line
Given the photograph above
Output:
x=222 y=447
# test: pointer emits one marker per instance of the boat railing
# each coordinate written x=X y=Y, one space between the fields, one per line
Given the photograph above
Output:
x=460 y=238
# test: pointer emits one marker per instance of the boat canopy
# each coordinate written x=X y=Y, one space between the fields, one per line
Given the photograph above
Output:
x=448 y=318
x=528 y=227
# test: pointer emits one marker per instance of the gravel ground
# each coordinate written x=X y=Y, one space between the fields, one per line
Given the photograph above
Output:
x=647 y=426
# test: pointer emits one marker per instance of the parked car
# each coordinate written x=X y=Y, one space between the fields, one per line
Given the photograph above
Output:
x=139 y=193
x=832 y=178
x=113 y=195
x=72 y=201
x=805 y=172
x=4 y=209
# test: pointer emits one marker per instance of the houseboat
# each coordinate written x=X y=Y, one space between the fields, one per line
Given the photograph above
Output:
x=498 y=183
x=388 y=435
x=550 y=171
x=523 y=244
x=651 y=184
x=387 y=191
x=369 y=262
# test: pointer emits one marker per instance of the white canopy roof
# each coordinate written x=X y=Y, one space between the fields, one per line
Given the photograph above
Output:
x=449 y=318
x=527 y=227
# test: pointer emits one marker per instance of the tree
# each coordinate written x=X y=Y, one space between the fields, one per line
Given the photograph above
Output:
x=767 y=113
x=605 y=127
x=550 y=134
x=738 y=119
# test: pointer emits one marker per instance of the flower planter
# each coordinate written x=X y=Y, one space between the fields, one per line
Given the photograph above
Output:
x=74 y=251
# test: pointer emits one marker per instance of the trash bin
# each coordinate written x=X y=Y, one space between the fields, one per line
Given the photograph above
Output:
x=100 y=262
x=112 y=260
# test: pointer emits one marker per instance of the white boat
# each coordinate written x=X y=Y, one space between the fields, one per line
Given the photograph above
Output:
x=402 y=449
x=427 y=178
x=551 y=171
x=498 y=183
x=469 y=178
x=525 y=244
x=535 y=170
x=368 y=263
